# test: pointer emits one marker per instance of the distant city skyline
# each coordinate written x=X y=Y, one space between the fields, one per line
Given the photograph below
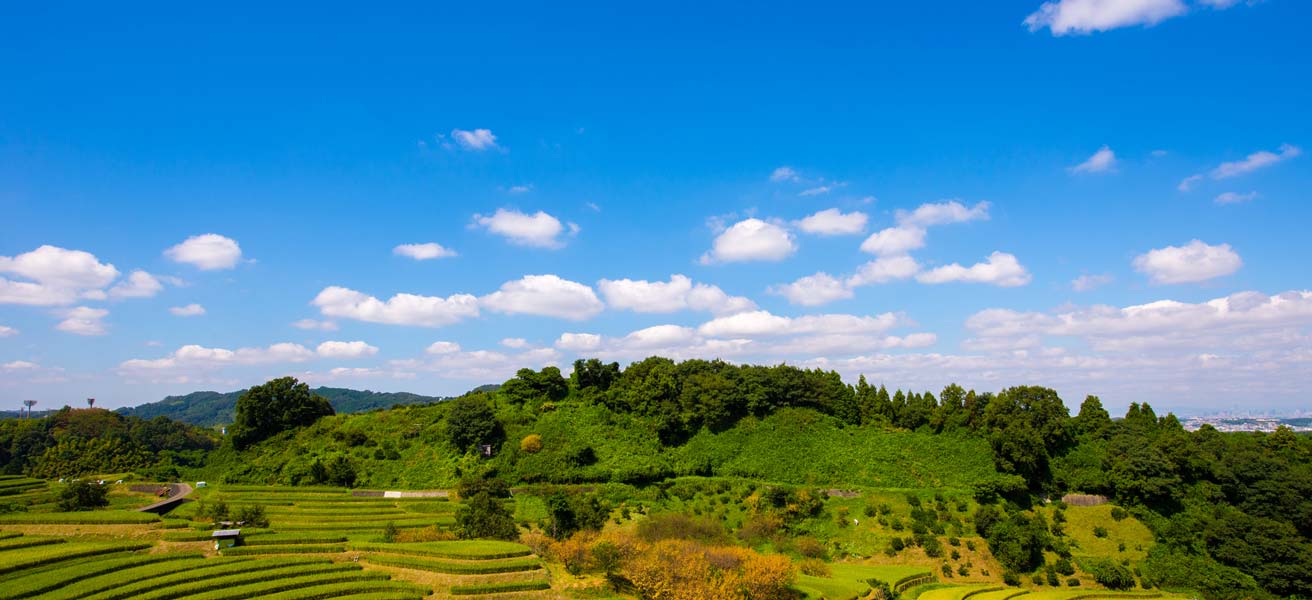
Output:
x=1102 y=198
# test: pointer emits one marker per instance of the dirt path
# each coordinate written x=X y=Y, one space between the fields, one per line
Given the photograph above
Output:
x=178 y=492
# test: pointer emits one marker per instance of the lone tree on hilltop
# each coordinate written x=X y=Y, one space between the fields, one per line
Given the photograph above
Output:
x=279 y=405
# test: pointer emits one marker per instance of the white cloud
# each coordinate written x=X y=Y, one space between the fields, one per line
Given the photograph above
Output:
x=677 y=294
x=315 y=325
x=426 y=251
x=539 y=230
x=480 y=365
x=883 y=270
x=6 y=331
x=1102 y=161
x=1000 y=269
x=1063 y=17
x=19 y=365
x=356 y=349
x=813 y=290
x=58 y=276
x=207 y=252
x=544 y=295
x=750 y=240
x=521 y=189
x=1235 y=197
x=764 y=324
x=943 y=213
x=1192 y=262
x=401 y=309
x=821 y=189
x=660 y=336
x=833 y=222
x=478 y=139
x=784 y=174
x=1254 y=161
x=516 y=343
x=83 y=320
x=442 y=348
x=139 y=284
x=578 y=342
x=894 y=241
x=193 y=357
x=1187 y=183
x=190 y=310
x=1084 y=283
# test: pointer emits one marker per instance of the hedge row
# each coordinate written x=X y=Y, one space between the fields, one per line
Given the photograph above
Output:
x=471 y=550
x=104 y=517
x=29 y=558
x=17 y=543
x=378 y=589
x=498 y=588
x=284 y=549
x=289 y=539
x=203 y=578
x=455 y=568
x=262 y=589
x=94 y=585
x=25 y=585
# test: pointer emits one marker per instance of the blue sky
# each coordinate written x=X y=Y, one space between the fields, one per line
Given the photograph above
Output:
x=1103 y=196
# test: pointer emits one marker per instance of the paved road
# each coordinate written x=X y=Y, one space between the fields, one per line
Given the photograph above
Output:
x=177 y=492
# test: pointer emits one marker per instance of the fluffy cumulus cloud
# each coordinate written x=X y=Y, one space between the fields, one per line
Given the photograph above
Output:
x=479 y=366
x=1102 y=161
x=1000 y=269
x=784 y=173
x=426 y=251
x=833 y=222
x=1255 y=161
x=315 y=325
x=1063 y=17
x=893 y=241
x=476 y=140
x=1085 y=283
x=207 y=252
x=6 y=331
x=679 y=293
x=1235 y=197
x=1190 y=263
x=53 y=276
x=752 y=336
x=883 y=270
x=192 y=359
x=751 y=240
x=400 y=309
x=190 y=310
x=943 y=213
x=356 y=349
x=539 y=230
x=139 y=284
x=545 y=295
x=82 y=320
x=442 y=348
x=814 y=290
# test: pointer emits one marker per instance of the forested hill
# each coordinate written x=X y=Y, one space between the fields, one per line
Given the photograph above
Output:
x=214 y=408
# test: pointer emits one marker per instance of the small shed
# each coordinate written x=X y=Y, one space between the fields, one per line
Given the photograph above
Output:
x=226 y=538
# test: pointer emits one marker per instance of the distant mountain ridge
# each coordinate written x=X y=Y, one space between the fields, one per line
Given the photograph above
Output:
x=207 y=409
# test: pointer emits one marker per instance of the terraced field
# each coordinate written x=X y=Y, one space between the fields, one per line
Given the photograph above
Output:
x=320 y=543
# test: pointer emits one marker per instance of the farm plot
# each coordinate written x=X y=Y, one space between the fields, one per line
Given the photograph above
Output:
x=462 y=568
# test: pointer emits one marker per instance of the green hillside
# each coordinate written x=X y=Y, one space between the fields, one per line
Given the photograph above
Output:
x=207 y=409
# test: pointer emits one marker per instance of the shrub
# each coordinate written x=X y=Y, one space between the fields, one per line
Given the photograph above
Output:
x=531 y=444
x=679 y=526
x=1110 y=574
x=82 y=495
x=1099 y=531
x=1119 y=514
x=811 y=548
x=814 y=567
